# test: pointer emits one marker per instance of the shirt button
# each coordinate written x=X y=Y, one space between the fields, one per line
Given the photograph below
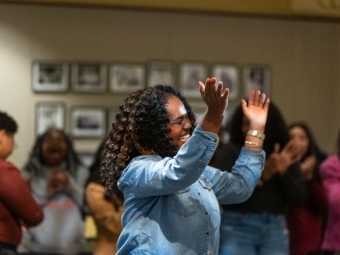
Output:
x=199 y=193
x=206 y=213
x=207 y=233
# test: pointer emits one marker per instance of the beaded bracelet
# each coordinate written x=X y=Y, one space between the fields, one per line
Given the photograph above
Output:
x=259 y=145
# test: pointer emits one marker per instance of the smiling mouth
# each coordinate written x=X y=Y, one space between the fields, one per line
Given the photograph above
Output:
x=184 y=138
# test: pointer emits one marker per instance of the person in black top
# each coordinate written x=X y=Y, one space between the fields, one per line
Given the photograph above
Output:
x=258 y=225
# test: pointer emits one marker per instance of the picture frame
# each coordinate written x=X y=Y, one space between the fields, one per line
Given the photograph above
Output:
x=88 y=121
x=161 y=72
x=190 y=73
x=50 y=76
x=256 y=76
x=89 y=77
x=126 y=77
x=229 y=74
x=48 y=115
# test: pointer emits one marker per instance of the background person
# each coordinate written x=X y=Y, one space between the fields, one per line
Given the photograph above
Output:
x=258 y=225
x=106 y=210
x=330 y=173
x=56 y=178
x=17 y=206
x=306 y=222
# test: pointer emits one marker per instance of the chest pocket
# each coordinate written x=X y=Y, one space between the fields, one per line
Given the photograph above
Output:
x=183 y=203
x=205 y=183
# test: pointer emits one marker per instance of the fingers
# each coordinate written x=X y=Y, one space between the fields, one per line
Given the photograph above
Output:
x=201 y=88
x=276 y=148
x=257 y=98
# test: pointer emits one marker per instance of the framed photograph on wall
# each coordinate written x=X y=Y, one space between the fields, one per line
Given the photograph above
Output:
x=48 y=115
x=190 y=73
x=126 y=77
x=89 y=77
x=256 y=77
x=161 y=72
x=229 y=74
x=88 y=122
x=50 y=76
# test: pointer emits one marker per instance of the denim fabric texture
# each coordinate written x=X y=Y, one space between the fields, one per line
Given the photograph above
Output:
x=172 y=204
x=253 y=234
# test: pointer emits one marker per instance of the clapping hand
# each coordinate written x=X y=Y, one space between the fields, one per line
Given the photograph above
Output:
x=216 y=100
x=256 y=110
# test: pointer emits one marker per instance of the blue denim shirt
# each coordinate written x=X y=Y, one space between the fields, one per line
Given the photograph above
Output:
x=172 y=204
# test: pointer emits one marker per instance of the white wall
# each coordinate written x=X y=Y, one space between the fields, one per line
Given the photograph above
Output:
x=303 y=55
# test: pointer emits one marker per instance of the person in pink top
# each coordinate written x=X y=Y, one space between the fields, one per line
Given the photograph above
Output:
x=330 y=173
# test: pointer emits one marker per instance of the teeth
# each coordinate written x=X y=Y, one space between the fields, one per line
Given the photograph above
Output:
x=184 y=138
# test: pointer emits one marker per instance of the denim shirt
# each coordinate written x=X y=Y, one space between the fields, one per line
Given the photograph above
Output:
x=172 y=204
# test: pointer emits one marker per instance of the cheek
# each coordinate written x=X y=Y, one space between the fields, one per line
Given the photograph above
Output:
x=175 y=132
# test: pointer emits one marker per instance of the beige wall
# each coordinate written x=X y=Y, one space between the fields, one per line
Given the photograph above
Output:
x=303 y=55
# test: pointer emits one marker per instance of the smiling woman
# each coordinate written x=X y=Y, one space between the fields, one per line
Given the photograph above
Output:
x=56 y=178
x=156 y=157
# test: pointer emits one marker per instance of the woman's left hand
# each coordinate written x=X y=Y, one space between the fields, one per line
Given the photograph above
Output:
x=256 y=110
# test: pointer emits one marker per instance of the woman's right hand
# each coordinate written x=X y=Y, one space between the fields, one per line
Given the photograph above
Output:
x=58 y=180
x=216 y=102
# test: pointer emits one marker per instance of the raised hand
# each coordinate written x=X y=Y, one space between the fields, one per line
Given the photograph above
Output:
x=216 y=102
x=213 y=97
x=256 y=110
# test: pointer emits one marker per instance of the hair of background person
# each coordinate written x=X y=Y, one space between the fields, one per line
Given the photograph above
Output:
x=141 y=127
x=35 y=162
x=275 y=129
x=7 y=123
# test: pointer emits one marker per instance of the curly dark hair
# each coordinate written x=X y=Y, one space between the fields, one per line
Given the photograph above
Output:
x=275 y=130
x=140 y=128
x=7 y=123
x=36 y=160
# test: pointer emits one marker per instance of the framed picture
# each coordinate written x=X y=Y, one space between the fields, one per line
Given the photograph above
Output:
x=89 y=77
x=49 y=114
x=50 y=76
x=126 y=77
x=88 y=122
x=86 y=158
x=256 y=77
x=161 y=72
x=229 y=74
x=190 y=73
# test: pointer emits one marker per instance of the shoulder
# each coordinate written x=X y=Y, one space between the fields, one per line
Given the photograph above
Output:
x=7 y=166
x=331 y=160
x=331 y=165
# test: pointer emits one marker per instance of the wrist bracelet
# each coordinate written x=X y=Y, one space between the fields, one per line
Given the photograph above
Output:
x=255 y=133
x=255 y=144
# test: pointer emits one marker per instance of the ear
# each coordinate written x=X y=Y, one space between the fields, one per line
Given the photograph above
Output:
x=2 y=134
